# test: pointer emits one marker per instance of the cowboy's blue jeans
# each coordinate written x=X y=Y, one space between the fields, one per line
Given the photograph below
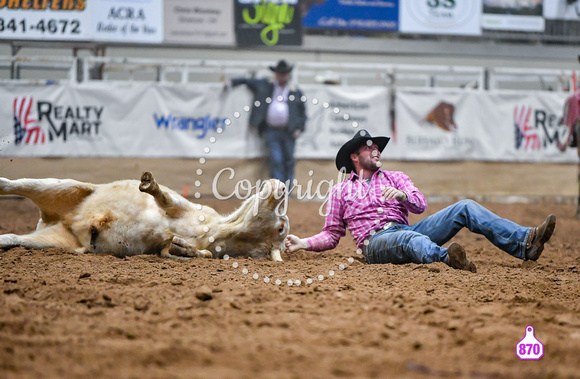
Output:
x=421 y=242
x=280 y=145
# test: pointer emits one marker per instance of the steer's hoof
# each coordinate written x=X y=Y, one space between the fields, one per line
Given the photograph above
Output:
x=204 y=254
x=148 y=183
x=182 y=248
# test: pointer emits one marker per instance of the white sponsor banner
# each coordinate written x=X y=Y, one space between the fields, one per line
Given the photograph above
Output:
x=562 y=10
x=124 y=120
x=46 y=20
x=133 y=119
x=172 y=120
x=336 y=113
x=460 y=17
x=199 y=22
x=440 y=124
x=519 y=15
x=139 y=21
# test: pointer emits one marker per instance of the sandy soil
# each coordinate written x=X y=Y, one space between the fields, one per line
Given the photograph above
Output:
x=69 y=315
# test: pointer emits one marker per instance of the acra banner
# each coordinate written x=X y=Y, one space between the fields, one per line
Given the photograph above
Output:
x=138 y=21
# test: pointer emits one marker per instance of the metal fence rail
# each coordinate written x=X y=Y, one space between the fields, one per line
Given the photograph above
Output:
x=51 y=69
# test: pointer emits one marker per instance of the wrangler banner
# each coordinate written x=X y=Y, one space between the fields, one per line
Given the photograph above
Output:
x=511 y=126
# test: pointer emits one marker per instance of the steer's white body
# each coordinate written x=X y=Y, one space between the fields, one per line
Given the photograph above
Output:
x=129 y=217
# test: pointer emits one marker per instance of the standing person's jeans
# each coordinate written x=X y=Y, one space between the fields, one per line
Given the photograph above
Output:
x=421 y=242
x=280 y=144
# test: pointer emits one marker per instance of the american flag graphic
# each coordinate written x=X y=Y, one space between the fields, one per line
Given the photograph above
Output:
x=26 y=128
x=527 y=137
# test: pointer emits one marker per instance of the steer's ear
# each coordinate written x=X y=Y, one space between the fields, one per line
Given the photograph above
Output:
x=266 y=189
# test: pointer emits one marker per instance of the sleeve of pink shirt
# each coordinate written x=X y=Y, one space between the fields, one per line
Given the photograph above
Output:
x=416 y=202
x=334 y=227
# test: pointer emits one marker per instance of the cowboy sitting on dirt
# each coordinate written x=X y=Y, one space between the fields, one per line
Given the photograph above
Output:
x=374 y=205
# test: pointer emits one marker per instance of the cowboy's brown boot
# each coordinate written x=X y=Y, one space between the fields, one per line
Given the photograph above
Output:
x=538 y=237
x=457 y=258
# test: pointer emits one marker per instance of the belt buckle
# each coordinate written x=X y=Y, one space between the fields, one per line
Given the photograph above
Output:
x=389 y=225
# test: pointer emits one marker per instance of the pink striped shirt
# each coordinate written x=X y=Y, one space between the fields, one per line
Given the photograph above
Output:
x=357 y=205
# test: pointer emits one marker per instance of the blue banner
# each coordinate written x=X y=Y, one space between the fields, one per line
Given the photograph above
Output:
x=375 y=15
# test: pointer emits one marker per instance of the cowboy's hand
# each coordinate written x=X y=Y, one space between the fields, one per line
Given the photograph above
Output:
x=391 y=193
x=294 y=243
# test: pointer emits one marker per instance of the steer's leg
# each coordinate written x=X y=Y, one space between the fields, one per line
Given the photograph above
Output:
x=181 y=248
x=53 y=236
x=54 y=197
x=163 y=199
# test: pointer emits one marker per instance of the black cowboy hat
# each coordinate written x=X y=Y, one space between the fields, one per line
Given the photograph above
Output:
x=343 y=160
x=282 y=67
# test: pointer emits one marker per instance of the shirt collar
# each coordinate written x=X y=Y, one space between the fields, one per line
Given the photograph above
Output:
x=354 y=176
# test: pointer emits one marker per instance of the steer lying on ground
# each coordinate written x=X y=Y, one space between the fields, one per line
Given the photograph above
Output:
x=129 y=217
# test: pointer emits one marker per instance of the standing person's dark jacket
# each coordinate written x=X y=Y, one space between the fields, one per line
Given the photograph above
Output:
x=262 y=90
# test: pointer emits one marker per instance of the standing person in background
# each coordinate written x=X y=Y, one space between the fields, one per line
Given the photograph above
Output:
x=279 y=116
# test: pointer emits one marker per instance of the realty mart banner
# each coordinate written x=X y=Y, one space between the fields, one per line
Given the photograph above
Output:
x=170 y=120
x=511 y=126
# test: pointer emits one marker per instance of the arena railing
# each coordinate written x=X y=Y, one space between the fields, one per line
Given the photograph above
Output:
x=86 y=69
x=38 y=69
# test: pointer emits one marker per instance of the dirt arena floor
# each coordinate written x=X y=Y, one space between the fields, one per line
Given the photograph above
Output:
x=64 y=315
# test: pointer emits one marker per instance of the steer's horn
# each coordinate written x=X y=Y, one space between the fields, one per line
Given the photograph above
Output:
x=275 y=255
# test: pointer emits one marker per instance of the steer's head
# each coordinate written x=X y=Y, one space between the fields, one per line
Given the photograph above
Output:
x=271 y=221
x=257 y=228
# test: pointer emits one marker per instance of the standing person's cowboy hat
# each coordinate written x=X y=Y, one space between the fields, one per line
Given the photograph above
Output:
x=343 y=161
x=282 y=67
